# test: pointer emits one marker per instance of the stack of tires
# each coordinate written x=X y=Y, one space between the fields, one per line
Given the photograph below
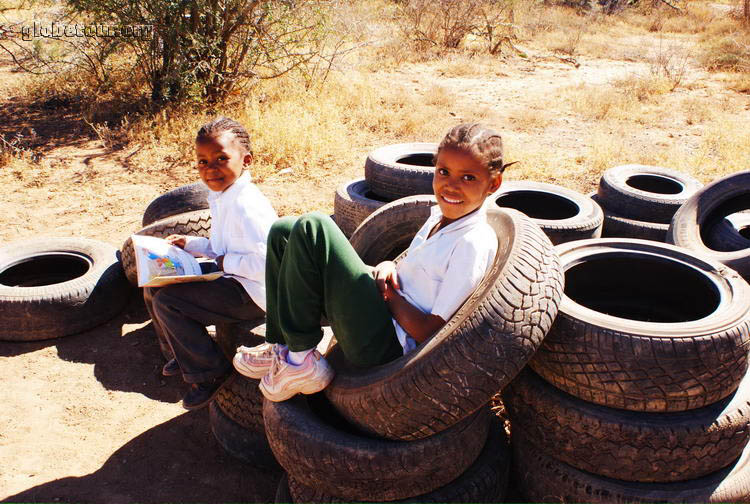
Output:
x=639 y=392
x=391 y=172
x=639 y=201
x=419 y=429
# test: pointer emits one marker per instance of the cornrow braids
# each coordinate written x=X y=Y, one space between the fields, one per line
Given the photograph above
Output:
x=480 y=141
x=222 y=124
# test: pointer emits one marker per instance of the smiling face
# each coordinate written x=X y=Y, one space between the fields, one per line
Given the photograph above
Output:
x=461 y=183
x=221 y=159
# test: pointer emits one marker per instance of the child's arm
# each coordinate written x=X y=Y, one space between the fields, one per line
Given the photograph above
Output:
x=418 y=324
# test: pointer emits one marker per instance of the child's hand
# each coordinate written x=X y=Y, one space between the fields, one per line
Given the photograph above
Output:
x=176 y=240
x=386 y=277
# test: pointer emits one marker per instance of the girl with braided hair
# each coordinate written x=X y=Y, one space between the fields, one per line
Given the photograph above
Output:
x=376 y=314
x=241 y=217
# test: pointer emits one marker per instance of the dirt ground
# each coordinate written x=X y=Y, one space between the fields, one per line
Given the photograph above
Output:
x=89 y=418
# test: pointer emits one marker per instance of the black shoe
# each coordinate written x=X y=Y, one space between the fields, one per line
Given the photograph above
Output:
x=171 y=368
x=200 y=394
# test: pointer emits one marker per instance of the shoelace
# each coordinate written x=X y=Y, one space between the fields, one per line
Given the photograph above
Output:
x=276 y=365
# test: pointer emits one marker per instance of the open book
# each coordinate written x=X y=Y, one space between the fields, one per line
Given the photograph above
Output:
x=159 y=263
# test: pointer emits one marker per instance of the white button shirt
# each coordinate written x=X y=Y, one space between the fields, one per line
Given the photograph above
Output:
x=438 y=274
x=241 y=217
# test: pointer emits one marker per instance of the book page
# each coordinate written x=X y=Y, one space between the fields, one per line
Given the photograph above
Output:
x=157 y=259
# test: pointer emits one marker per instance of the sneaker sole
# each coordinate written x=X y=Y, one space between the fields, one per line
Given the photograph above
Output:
x=250 y=371
x=283 y=395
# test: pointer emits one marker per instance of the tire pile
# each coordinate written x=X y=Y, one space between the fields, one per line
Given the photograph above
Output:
x=420 y=429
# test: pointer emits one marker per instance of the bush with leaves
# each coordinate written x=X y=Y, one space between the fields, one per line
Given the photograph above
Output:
x=198 y=49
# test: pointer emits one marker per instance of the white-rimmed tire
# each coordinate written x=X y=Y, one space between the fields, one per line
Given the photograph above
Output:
x=646 y=193
x=52 y=287
x=399 y=170
x=563 y=214
x=646 y=326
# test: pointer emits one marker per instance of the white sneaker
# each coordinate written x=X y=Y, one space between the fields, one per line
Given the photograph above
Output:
x=255 y=362
x=285 y=380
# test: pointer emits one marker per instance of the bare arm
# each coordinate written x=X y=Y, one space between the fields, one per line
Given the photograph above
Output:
x=418 y=324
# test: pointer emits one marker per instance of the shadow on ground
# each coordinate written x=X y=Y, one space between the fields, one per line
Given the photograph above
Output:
x=194 y=469
x=124 y=352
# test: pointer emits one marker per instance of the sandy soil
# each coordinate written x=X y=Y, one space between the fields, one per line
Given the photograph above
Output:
x=89 y=418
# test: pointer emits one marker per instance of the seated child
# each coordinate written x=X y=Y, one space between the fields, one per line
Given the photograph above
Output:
x=377 y=315
x=241 y=217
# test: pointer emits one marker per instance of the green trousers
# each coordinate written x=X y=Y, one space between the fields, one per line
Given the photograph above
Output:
x=312 y=270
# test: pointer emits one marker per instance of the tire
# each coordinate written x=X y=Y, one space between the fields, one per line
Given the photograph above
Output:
x=617 y=226
x=247 y=445
x=563 y=214
x=478 y=351
x=646 y=193
x=541 y=478
x=187 y=198
x=400 y=170
x=485 y=481
x=730 y=233
x=388 y=231
x=196 y=223
x=55 y=287
x=627 y=445
x=321 y=451
x=353 y=203
x=646 y=326
x=709 y=205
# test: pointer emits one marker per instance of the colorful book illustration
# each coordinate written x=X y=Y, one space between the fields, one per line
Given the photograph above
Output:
x=159 y=263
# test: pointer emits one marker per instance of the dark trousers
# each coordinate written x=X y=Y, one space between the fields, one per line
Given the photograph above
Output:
x=312 y=270
x=180 y=314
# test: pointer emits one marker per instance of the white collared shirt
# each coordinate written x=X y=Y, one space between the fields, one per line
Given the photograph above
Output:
x=438 y=274
x=241 y=217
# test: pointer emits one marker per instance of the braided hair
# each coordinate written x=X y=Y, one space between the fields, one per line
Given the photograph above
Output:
x=484 y=143
x=222 y=124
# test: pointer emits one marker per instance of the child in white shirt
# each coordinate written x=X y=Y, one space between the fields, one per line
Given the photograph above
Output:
x=311 y=270
x=241 y=217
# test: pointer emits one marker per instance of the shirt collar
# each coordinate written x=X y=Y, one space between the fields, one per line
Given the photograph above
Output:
x=231 y=191
x=475 y=217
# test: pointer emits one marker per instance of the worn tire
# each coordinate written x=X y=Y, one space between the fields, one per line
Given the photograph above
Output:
x=54 y=287
x=485 y=481
x=388 y=231
x=248 y=445
x=720 y=198
x=541 y=478
x=646 y=193
x=353 y=203
x=628 y=445
x=617 y=226
x=676 y=336
x=196 y=223
x=563 y=214
x=400 y=170
x=730 y=233
x=319 y=450
x=187 y=198
x=478 y=351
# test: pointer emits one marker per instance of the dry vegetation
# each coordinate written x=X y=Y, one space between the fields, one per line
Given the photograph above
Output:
x=575 y=92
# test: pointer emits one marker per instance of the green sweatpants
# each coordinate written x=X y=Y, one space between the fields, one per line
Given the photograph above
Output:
x=312 y=270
